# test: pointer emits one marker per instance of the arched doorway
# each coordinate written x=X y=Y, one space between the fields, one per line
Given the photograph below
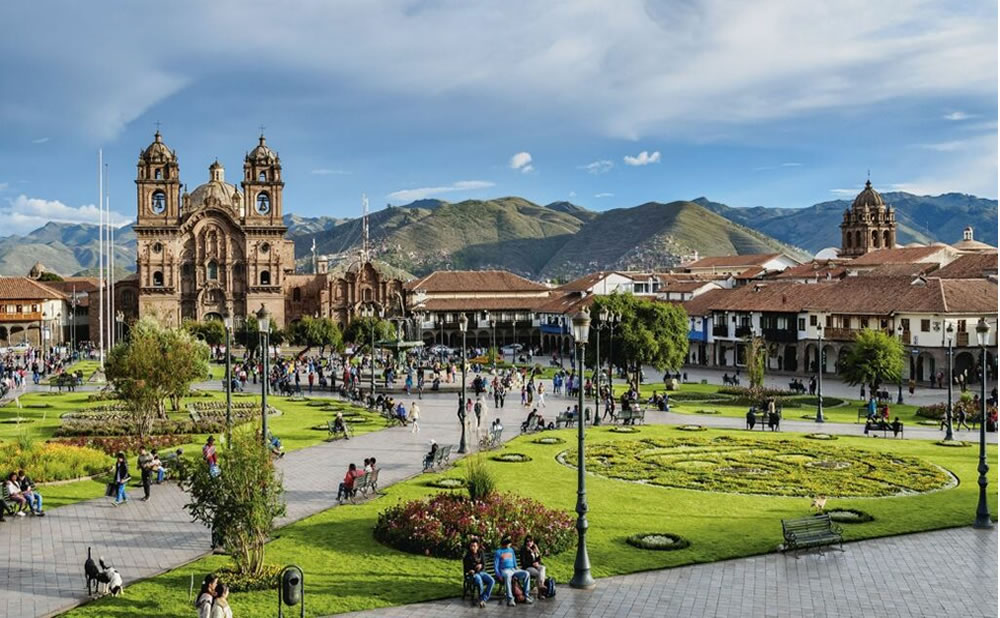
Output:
x=791 y=362
x=965 y=362
x=212 y=315
x=829 y=359
x=810 y=359
x=841 y=357
x=924 y=368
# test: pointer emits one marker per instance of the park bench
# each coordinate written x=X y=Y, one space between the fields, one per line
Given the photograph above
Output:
x=813 y=531
x=885 y=427
x=64 y=380
x=489 y=567
x=531 y=427
x=565 y=419
x=195 y=415
x=441 y=457
x=492 y=439
x=629 y=416
x=9 y=506
x=334 y=433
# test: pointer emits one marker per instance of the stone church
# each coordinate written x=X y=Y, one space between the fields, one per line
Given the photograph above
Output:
x=221 y=249
x=868 y=225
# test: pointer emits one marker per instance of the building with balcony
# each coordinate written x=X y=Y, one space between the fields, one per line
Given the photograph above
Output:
x=32 y=312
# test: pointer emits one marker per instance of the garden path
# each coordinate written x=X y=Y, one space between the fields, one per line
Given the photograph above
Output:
x=41 y=559
x=943 y=573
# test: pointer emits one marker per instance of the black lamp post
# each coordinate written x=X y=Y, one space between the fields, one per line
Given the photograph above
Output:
x=493 y=339
x=463 y=326
x=899 y=396
x=615 y=318
x=819 y=379
x=581 y=568
x=948 y=435
x=227 y=321
x=982 y=510
x=264 y=326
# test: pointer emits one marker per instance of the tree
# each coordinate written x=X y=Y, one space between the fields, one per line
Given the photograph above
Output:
x=321 y=332
x=650 y=333
x=242 y=502
x=359 y=331
x=756 y=359
x=49 y=277
x=875 y=358
x=212 y=332
x=155 y=363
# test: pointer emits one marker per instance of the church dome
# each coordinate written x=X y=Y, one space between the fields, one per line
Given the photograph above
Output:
x=157 y=151
x=262 y=153
x=216 y=191
x=868 y=198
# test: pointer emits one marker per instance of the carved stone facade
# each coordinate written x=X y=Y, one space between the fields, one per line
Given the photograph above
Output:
x=868 y=225
x=222 y=249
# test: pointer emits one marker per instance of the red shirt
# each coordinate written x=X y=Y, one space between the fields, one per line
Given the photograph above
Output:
x=350 y=476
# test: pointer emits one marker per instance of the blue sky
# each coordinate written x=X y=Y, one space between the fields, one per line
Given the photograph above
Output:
x=602 y=103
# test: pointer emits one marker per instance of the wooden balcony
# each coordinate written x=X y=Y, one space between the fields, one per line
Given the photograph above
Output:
x=29 y=316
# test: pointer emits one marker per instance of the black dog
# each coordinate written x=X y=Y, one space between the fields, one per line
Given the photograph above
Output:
x=91 y=573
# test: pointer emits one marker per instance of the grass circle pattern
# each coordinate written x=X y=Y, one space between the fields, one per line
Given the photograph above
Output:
x=849 y=516
x=659 y=541
x=447 y=483
x=782 y=467
x=820 y=436
x=690 y=428
x=952 y=443
x=511 y=458
x=624 y=429
x=549 y=440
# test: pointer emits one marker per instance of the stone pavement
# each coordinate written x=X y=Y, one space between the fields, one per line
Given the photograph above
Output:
x=41 y=559
x=944 y=573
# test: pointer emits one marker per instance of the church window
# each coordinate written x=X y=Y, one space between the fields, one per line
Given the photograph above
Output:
x=158 y=279
x=213 y=271
x=262 y=177
x=366 y=295
x=159 y=173
x=264 y=247
x=157 y=247
x=159 y=202
x=857 y=239
x=297 y=295
x=847 y=241
x=875 y=239
x=265 y=277
x=187 y=270
x=885 y=240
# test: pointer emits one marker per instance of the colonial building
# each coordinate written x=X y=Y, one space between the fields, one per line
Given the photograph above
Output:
x=32 y=312
x=221 y=250
x=868 y=225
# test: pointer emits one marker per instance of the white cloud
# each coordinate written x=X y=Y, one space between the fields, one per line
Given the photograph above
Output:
x=775 y=167
x=598 y=167
x=601 y=195
x=40 y=140
x=572 y=193
x=643 y=158
x=969 y=166
x=23 y=214
x=409 y=195
x=845 y=192
x=791 y=164
x=325 y=171
x=522 y=161
x=958 y=116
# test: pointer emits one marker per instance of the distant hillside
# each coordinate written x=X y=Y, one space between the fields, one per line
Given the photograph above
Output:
x=655 y=236
x=64 y=248
x=920 y=218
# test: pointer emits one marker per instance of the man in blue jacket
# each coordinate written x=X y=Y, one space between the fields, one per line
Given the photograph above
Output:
x=505 y=566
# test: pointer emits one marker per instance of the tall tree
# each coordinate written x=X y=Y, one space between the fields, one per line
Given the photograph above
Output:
x=212 y=332
x=756 y=359
x=359 y=331
x=874 y=358
x=321 y=332
x=650 y=333
x=154 y=364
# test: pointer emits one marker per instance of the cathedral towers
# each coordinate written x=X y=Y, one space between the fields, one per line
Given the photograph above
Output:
x=869 y=225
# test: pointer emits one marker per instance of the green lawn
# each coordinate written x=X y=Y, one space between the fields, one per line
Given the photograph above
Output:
x=346 y=569
x=88 y=367
x=40 y=414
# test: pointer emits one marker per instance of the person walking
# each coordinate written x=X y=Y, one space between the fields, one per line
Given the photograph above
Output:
x=145 y=465
x=220 y=606
x=414 y=417
x=122 y=477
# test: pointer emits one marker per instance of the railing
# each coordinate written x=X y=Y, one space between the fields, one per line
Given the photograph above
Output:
x=720 y=330
x=782 y=335
x=30 y=316
x=962 y=340
x=742 y=331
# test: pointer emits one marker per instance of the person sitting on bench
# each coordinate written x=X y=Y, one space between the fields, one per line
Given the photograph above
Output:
x=14 y=494
x=429 y=457
x=346 y=489
x=751 y=417
x=897 y=427
x=474 y=564
x=29 y=492
x=505 y=566
x=340 y=426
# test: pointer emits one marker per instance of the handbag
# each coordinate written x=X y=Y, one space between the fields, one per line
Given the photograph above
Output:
x=517 y=591
x=110 y=490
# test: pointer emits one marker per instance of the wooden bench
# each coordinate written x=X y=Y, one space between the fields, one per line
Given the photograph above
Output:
x=565 y=419
x=885 y=427
x=365 y=485
x=862 y=413
x=10 y=507
x=64 y=380
x=813 y=531
x=441 y=457
x=469 y=585
x=631 y=415
x=334 y=433
x=531 y=427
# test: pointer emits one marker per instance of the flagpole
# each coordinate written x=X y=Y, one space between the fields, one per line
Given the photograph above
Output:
x=100 y=254
x=110 y=318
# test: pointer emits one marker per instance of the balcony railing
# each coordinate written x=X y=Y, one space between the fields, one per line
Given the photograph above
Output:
x=962 y=340
x=783 y=335
x=24 y=316
x=743 y=331
x=720 y=330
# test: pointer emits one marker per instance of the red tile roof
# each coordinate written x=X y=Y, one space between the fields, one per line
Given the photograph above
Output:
x=23 y=288
x=970 y=266
x=519 y=303
x=813 y=269
x=733 y=261
x=902 y=255
x=474 y=281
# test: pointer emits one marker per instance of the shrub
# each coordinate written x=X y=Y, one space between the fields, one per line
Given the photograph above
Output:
x=661 y=541
x=479 y=478
x=439 y=526
x=267 y=579
x=549 y=440
x=932 y=411
x=697 y=396
x=849 y=516
x=125 y=444
x=511 y=458
x=52 y=461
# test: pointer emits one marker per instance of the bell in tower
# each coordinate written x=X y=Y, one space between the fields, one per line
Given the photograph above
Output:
x=157 y=184
x=262 y=184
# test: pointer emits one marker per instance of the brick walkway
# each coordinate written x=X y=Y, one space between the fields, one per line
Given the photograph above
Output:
x=944 y=573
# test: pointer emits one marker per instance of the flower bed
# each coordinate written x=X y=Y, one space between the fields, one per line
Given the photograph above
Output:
x=706 y=411
x=118 y=422
x=624 y=429
x=849 y=516
x=783 y=467
x=441 y=525
x=511 y=458
x=447 y=483
x=659 y=541
x=821 y=436
x=698 y=396
x=690 y=428
x=267 y=580
x=952 y=443
x=52 y=461
x=125 y=444
x=549 y=440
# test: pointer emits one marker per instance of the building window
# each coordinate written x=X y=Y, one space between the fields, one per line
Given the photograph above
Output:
x=857 y=240
x=262 y=177
x=213 y=271
x=960 y=326
x=263 y=203
x=864 y=322
x=265 y=277
x=885 y=240
x=158 y=174
x=925 y=326
x=802 y=323
x=905 y=323
x=158 y=202
x=812 y=320
x=297 y=295
x=875 y=239
x=158 y=279
x=157 y=247
x=366 y=295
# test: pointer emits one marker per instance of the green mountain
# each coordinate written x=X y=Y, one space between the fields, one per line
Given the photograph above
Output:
x=63 y=248
x=920 y=218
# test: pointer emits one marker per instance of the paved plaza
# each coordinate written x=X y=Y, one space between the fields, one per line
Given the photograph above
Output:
x=42 y=558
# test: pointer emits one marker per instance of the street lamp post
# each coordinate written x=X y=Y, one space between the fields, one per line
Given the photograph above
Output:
x=463 y=326
x=819 y=379
x=227 y=321
x=948 y=435
x=982 y=510
x=899 y=396
x=581 y=568
x=264 y=327
x=493 y=338
x=603 y=316
x=614 y=319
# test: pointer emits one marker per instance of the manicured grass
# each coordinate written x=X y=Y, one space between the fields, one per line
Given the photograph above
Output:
x=294 y=426
x=346 y=569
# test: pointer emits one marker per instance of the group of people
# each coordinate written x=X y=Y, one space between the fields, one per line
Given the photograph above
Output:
x=771 y=414
x=517 y=575
x=347 y=489
x=213 y=599
x=21 y=492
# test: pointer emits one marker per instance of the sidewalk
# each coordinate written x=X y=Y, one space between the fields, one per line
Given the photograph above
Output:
x=944 y=573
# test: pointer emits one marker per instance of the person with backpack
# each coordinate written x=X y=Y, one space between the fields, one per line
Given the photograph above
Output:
x=531 y=559
x=505 y=566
